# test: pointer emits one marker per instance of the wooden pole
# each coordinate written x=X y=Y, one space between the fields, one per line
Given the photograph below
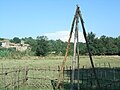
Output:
x=74 y=59
x=88 y=48
x=65 y=58
x=78 y=52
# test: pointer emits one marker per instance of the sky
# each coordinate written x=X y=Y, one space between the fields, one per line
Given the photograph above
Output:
x=53 y=18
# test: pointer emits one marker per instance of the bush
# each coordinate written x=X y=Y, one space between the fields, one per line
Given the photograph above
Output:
x=4 y=52
x=11 y=53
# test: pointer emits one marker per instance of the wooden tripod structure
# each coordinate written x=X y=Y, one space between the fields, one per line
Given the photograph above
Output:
x=76 y=19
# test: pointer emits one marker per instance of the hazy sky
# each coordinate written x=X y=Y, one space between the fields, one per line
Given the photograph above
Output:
x=24 y=18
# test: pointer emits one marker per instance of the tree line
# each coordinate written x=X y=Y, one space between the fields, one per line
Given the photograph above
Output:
x=42 y=46
x=103 y=45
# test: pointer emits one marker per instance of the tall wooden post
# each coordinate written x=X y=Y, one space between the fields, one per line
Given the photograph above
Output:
x=88 y=48
x=65 y=57
x=78 y=52
x=74 y=60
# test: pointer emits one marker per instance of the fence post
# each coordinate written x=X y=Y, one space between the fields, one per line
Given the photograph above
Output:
x=3 y=76
x=96 y=65
x=109 y=65
x=87 y=77
x=105 y=72
x=104 y=65
x=99 y=65
x=67 y=72
x=18 y=71
x=14 y=78
x=91 y=81
x=6 y=87
x=26 y=73
x=70 y=74
x=82 y=74
x=114 y=74
x=58 y=68
x=12 y=81
x=49 y=68
x=45 y=76
x=63 y=78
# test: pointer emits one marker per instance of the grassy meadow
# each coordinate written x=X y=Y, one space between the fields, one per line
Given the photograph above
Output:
x=53 y=62
x=57 y=60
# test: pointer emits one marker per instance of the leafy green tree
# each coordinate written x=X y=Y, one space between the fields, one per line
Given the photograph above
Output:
x=118 y=44
x=83 y=49
x=91 y=39
x=1 y=38
x=99 y=48
x=71 y=49
x=51 y=44
x=110 y=46
x=42 y=46
x=102 y=44
x=0 y=43
x=59 y=47
x=32 y=42
x=15 y=40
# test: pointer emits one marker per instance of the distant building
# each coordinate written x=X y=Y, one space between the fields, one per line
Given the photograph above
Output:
x=19 y=47
x=5 y=43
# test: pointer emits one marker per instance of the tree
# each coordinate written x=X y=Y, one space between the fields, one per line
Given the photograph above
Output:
x=111 y=47
x=42 y=47
x=83 y=49
x=15 y=40
x=0 y=43
x=32 y=42
x=91 y=39
x=59 y=47
x=51 y=44
x=99 y=48
x=102 y=44
x=1 y=38
x=118 y=44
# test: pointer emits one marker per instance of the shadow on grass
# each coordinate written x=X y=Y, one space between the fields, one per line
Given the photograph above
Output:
x=109 y=79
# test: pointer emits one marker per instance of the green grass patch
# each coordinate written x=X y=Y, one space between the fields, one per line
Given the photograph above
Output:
x=53 y=62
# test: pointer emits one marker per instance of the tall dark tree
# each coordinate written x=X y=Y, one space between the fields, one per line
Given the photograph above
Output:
x=15 y=40
x=0 y=43
x=42 y=46
x=1 y=38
